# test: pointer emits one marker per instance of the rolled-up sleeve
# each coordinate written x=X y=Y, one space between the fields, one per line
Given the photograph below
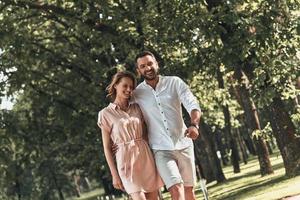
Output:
x=186 y=97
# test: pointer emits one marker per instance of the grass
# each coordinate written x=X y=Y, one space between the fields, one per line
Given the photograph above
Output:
x=90 y=195
x=248 y=184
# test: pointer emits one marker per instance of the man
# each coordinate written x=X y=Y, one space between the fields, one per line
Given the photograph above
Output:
x=160 y=99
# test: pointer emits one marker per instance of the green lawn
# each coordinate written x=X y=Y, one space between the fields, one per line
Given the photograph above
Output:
x=248 y=184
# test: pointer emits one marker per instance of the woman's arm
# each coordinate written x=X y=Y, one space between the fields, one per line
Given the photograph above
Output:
x=117 y=183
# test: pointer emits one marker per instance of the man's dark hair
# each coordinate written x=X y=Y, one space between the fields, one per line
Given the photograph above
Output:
x=142 y=54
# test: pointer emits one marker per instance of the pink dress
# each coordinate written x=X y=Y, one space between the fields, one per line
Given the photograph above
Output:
x=134 y=158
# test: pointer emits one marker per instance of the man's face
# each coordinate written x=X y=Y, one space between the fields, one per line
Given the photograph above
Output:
x=147 y=67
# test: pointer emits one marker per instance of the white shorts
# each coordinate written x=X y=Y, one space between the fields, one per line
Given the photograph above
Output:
x=176 y=166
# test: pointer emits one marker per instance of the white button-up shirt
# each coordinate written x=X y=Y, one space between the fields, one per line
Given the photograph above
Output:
x=163 y=114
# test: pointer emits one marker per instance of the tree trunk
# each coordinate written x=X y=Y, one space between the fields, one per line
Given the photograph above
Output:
x=243 y=118
x=207 y=161
x=221 y=146
x=232 y=142
x=216 y=162
x=203 y=157
x=18 y=189
x=242 y=146
x=252 y=121
x=297 y=98
x=248 y=139
x=285 y=134
x=263 y=156
x=60 y=193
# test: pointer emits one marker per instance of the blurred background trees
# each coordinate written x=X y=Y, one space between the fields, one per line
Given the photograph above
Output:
x=240 y=58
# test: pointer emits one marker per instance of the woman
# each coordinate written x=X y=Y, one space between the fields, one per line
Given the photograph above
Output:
x=122 y=124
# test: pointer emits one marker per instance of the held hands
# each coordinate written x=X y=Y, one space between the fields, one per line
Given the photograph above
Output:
x=117 y=183
x=192 y=132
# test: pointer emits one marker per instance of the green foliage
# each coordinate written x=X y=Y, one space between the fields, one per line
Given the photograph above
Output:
x=265 y=133
x=212 y=98
x=53 y=71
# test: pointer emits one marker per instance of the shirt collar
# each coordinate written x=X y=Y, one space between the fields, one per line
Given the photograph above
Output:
x=115 y=106
x=160 y=80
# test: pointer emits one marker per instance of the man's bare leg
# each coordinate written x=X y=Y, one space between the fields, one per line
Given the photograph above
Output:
x=177 y=192
x=189 y=193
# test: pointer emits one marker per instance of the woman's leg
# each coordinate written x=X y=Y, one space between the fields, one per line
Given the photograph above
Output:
x=138 y=196
x=152 y=195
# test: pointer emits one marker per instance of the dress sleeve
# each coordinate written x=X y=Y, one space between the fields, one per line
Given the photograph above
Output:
x=102 y=122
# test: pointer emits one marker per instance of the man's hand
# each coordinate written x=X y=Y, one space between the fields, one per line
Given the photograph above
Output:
x=114 y=148
x=192 y=132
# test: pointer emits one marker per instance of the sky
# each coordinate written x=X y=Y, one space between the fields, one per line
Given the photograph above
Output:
x=6 y=104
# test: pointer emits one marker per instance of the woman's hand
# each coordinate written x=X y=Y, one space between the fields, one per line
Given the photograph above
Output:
x=117 y=183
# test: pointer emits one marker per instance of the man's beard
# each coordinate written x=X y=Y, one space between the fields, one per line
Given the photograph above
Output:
x=151 y=77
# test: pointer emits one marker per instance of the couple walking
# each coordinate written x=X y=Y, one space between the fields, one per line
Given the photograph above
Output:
x=150 y=114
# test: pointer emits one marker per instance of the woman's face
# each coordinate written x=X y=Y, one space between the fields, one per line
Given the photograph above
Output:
x=124 y=88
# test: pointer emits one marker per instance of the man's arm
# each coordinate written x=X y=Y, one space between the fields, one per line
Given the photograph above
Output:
x=193 y=130
x=190 y=103
x=195 y=117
